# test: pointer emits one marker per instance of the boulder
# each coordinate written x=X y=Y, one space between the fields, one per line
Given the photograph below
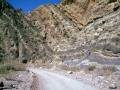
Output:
x=113 y=86
x=70 y=72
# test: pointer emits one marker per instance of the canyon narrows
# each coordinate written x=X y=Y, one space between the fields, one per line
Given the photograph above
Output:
x=80 y=38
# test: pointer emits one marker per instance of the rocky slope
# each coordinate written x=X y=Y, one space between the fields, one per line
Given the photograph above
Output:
x=18 y=38
x=79 y=33
x=74 y=29
x=85 y=36
x=78 y=28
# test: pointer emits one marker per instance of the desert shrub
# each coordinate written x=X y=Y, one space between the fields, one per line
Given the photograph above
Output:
x=4 y=69
x=107 y=70
x=110 y=68
x=67 y=68
x=91 y=68
x=11 y=66
x=20 y=67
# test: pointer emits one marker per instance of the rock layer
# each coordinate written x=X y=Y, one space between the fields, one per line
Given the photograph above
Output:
x=74 y=29
x=77 y=28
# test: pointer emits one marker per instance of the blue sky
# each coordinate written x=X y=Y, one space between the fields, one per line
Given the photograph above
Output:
x=28 y=5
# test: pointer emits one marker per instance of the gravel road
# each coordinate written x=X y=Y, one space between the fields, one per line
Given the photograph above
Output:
x=53 y=81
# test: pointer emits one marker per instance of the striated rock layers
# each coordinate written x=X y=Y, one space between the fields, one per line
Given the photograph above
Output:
x=74 y=29
x=77 y=28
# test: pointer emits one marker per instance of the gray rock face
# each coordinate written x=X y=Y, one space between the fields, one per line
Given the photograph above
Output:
x=75 y=29
x=71 y=30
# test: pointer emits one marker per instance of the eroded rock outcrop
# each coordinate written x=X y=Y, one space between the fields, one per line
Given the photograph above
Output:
x=71 y=30
x=19 y=39
x=75 y=28
x=85 y=11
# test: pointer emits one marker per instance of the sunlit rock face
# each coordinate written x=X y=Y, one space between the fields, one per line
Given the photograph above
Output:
x=74 y=28
x=70 y=30
x=85 y=11
x=19 y=39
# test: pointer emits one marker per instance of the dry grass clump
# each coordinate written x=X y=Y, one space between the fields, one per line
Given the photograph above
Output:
x=106 y=70
x=90 y=69
x=67 y=68
x=10 y=66
x=103 y=70
x=40 y=63
x=4 y=69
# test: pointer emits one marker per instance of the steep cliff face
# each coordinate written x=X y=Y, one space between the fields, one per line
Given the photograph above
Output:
x=18 y=38
x=77 y=28
x=85 y=11
x=84 y=35
x=74 y=29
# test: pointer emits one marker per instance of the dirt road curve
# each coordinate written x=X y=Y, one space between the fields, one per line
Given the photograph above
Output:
x=51 y=81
